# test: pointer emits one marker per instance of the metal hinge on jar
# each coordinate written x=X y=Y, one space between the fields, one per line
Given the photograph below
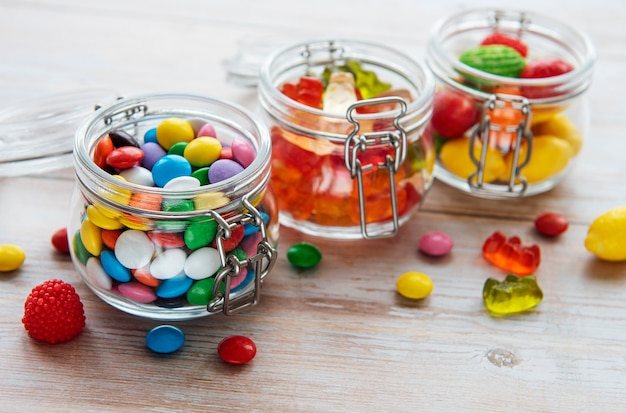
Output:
x=506 y=133
x=356 y=144
x=262 y=262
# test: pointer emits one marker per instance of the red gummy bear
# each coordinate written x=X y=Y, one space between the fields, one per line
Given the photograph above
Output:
x=53 y=312
x=510 y=255
x=307 y=91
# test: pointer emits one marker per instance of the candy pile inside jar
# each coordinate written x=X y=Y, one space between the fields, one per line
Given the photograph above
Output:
x=171 y=262
x=556 y=139
x=309 y=174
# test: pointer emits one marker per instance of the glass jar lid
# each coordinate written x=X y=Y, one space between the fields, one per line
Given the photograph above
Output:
x=37 y=135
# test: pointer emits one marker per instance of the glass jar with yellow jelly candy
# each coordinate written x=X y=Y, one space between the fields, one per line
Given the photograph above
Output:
x=352 y=156
x=154 y=242
x=510 y=113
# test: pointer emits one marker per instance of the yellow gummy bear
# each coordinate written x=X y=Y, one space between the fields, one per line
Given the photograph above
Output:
x=606 y=237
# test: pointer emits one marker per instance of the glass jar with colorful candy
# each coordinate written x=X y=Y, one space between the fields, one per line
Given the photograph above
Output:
x=510 y=112
x=352 y=155
x=172 y=217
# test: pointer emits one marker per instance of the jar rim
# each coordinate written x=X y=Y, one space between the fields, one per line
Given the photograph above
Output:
x=251 y=174
x=420 y=103
x=438 y=57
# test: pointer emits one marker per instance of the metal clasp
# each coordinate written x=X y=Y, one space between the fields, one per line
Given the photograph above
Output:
x=496 y=132
x=262 y=262
x=356 y=143
x=128 y=112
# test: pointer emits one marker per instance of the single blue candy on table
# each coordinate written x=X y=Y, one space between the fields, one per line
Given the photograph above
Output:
x=165 y=339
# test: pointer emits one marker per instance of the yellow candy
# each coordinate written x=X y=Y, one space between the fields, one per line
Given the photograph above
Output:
x=91 y=236
x=101 y=220
x=414 y=285
x=173 y=130
x=561 y=127
x=455 y=156
x=606 y=237
x=210 y=200
x=11 y=257
x=203 y=151
x=550 y=155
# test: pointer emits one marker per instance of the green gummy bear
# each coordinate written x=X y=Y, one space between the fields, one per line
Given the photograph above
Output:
x=366 y=81
x=513 y=295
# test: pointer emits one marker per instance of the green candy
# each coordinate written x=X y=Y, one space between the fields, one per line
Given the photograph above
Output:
x=200 y=234
x=79 y=249
x=177 y=149
x=202 y=175
x=495 y=59
x=201 y=292
x=304 y=255
x=513 y=295
x=177 y=205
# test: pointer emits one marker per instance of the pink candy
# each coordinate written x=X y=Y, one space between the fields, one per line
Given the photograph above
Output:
x=435 y=243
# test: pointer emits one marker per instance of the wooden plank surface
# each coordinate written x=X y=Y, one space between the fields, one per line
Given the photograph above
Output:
x=337 y=338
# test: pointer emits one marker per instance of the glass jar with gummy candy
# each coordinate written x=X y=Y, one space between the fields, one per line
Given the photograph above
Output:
x=351 y=152
x=510 y=112
x=152 y=232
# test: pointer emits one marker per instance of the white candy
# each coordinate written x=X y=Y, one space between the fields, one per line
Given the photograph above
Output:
x=96 y=274
x=133 y=249
x=202 y=263
x=138 y=175
x=168 y=264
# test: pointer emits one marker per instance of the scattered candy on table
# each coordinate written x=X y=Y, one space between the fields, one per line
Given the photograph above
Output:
x=551 y=224
x=165 y=339
x=53 y=312
x=606 y=236
x=11 y=257
x=510 y=255
x=304 y=255
x=414 y=285
x=236 y=349
x=435 y=243
x=513 y=295
x=60 y=241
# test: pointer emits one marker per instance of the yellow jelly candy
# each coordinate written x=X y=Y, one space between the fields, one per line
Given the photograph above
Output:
x=606 y=237
x=414 y=285
x=561 y=127
x=550 y=155
x=11 y=257
x=101 y=220
x=173 y=130
x=455 y=157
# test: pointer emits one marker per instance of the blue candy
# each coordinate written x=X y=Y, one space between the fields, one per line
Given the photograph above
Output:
x=113 y=267
x=250 y=229
x=168 y=168
x=165 y=339
x=150 y=136
x=174 y=287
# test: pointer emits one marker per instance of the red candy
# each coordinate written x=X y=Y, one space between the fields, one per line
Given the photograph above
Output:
x=236 y=349
x=59 y=240
x=546 y=67
x=236 y=235
x=503 y=39
x=307 y=91
x=453 y=114
x=53 y=312
x=551 y=224
x=124 y=157
x=510 y=255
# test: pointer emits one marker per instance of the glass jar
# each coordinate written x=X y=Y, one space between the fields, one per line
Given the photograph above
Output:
x=360 y=170
x=509 y=115
x=179 y=251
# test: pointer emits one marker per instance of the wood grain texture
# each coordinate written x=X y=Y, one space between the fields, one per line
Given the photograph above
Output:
x=337 y=338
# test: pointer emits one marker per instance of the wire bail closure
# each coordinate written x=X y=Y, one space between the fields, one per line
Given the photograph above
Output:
x=487 y=132
x=356 y=144
x=261 y=263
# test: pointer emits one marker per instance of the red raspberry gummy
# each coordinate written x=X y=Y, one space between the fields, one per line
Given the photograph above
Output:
x=53 y=312
x=503 y=39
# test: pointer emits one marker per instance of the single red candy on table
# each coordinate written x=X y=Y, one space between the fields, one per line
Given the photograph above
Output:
x=510 y=255
x=60 y=241
x=236 y=349
x=551 y=224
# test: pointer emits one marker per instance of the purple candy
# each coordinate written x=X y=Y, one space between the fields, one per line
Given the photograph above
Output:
x=223 y=169
x=152 y=152
x=243 y=152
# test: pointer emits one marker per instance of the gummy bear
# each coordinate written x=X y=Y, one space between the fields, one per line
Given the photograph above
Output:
x=307 y=91
x=513 y=295
x=510 y=255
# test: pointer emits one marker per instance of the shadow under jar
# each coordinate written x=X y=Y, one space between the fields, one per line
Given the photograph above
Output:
x=510 y=112
x=351 y=153
x=179 y=247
